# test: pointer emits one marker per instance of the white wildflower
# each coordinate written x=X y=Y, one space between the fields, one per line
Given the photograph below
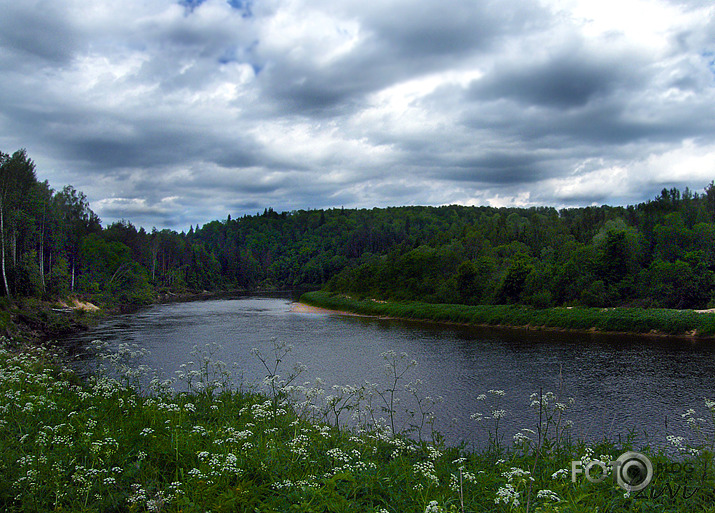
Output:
x=508 y=495
x=548 y=495
x=560 y=474
x=433 y=507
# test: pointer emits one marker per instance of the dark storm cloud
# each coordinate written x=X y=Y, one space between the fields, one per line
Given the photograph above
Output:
x=103 y=143
x=499 y=168
x=449 y=28
x=36 y=32
x=610 y=121
x=237 y=157
x=563 y=81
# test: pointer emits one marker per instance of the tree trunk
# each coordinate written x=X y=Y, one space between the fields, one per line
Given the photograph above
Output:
x=154 y=257
x=72 y=282
x=2 y=256
x=41 y=258
x=13 y=243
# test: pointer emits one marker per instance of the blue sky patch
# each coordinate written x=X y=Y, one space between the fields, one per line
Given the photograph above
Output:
x=190 y=5
x=242 y=5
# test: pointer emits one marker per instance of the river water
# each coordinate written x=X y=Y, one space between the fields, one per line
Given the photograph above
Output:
x=620 y=384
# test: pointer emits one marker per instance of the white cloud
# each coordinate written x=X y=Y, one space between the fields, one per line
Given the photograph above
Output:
x=690 y=162
x=648 y=24
x=593 y=185
x=522 y=199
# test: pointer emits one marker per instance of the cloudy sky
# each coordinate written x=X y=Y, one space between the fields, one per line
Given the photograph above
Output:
x=171 y=113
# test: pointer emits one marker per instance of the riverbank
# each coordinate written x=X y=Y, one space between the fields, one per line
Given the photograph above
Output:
x=635 y=321
x=100 y=445
x=300 y=307
x=29 y=320
x=32 y=320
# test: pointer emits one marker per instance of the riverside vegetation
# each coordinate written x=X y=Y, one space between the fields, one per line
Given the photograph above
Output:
x=117 y=441
x=631 y=320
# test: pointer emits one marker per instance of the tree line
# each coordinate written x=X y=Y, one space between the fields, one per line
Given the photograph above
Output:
x=659 y=253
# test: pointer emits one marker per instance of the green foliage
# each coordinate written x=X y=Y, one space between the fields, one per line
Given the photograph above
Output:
x=467 y=282
x=58 y=283
x=102 y=260
x=27 y=279
x=520 y=268
x=130 y=286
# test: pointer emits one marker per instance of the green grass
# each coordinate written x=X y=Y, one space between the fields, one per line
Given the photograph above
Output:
x=102 y=445
x=626 y=320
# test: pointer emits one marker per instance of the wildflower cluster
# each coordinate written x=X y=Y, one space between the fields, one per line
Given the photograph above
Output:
x=702 y=426
x=496 y=413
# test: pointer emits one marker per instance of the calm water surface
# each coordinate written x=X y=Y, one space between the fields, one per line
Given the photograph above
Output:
x=620 y=384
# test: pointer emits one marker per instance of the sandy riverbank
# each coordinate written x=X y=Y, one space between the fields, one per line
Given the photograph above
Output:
x=76 y=304
x=303 y=308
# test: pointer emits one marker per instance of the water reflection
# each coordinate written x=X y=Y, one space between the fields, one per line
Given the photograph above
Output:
x=621 y=384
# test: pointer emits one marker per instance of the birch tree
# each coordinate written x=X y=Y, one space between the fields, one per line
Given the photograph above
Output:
x=17 y=179
x=4 y=191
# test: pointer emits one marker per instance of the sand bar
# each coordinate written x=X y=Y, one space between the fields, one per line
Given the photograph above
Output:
x=303 y=308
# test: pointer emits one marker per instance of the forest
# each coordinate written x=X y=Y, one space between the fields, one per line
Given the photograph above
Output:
x=659 y=253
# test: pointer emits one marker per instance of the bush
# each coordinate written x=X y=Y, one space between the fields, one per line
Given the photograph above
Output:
x=541 y=299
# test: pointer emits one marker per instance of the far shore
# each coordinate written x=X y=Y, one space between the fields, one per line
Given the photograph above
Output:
x=601 y=321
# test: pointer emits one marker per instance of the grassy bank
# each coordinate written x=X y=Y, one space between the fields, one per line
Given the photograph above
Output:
x=34 y=320
x=198 y=444
x=623 y=320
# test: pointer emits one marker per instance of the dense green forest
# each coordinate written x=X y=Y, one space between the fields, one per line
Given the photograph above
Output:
x=660 y=253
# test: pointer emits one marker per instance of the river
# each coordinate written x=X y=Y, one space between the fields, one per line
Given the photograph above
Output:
x=620 y=384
